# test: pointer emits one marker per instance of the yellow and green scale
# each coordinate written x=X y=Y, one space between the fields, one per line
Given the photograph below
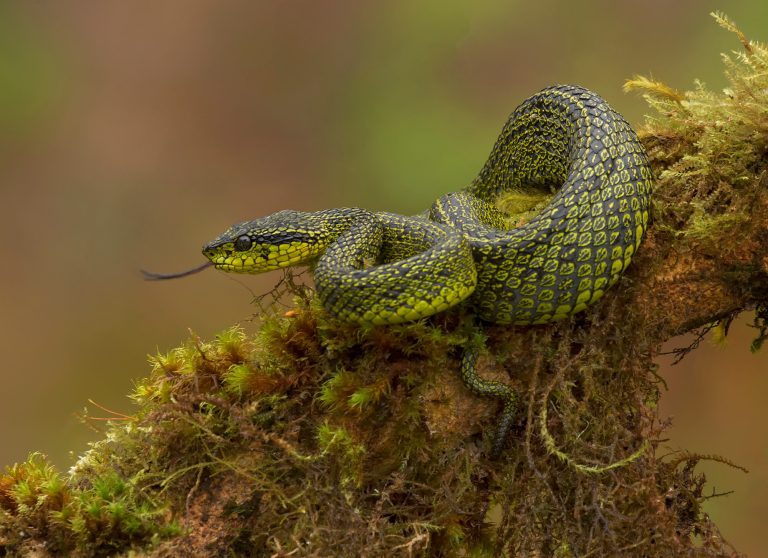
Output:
x=383 y=268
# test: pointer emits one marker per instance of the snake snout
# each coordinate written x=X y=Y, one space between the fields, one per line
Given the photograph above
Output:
x=211 y=251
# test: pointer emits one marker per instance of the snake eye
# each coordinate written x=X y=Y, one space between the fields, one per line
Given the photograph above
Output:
x=243 y=243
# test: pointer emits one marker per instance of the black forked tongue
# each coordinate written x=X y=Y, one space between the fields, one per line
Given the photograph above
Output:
x=152 y=276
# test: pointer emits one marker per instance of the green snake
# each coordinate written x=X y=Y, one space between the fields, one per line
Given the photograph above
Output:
x=383 y=268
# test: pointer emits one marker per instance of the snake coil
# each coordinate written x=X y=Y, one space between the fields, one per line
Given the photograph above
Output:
x=382 y=268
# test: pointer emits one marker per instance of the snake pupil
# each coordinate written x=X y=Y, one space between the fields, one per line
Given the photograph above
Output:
x=243 y=243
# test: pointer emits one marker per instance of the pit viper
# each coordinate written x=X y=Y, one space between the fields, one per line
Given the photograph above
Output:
x=384 y=268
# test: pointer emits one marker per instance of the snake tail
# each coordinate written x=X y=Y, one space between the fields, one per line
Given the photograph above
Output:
x=490 y=388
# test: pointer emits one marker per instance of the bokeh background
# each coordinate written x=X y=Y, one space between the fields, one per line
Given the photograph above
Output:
x=133 y=132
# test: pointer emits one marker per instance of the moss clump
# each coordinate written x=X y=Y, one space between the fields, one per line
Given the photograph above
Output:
x=319 y=438
x=254 y=441
x=521 y=207
x=42 y=512
x=709 y=146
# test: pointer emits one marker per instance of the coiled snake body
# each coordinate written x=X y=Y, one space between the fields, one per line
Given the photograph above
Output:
x=382 y=268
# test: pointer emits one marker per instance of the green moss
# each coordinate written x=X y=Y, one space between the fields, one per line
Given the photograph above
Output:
x=521 y=207
x=40 y=506
x=349 y=441
x=338 y=441
x=709 y=145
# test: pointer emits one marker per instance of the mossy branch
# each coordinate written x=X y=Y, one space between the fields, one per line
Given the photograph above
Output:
x=316 y=438
x=707 y=250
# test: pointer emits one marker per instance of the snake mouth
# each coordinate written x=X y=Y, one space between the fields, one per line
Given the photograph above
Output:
x=231 y=268
x=262 y=257
x=250 y=264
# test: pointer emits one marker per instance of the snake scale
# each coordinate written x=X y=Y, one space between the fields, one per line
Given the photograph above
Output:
x=383 y=268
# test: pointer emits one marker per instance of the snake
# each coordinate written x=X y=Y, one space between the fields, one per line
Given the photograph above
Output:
x=565 y=143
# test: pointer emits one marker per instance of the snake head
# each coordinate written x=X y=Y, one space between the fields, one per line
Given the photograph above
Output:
x=279 y=240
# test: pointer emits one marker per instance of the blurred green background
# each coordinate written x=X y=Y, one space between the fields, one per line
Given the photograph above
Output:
x=131 y=133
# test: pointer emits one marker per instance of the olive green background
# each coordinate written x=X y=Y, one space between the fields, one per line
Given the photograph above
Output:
x=133 y=132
